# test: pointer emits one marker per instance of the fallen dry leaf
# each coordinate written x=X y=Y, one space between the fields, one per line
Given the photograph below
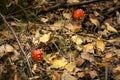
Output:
x=118 y=17
x=6 y=48
x=100 y=44
x=96 y=13
x=88 y=57
x=79 y=61
x=108 y=57
x=1 y=69
x=88 y=48
x=81 y=74
x=67 y=15
x=45 y=38
x=44 y=20
x=70 y=66
x=79 y=47
x=6 y=34
x=76 y=39
x=36 y=38
x=110 y=28
x=102 y=64
x=57 y=25
x=56 y=76
x=117 y=51
x=34 y=68
x=73 y=26
x=94 y=20
x=67 y=76
x=58 y=63
x=93 y=74
x=117 y=69
x=72 y=1
x=117 y=77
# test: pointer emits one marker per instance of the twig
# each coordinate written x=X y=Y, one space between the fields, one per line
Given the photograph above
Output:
x=80 y=3
x=64 y=5
x=19 y=44
x=52 y=7
x=106 y=72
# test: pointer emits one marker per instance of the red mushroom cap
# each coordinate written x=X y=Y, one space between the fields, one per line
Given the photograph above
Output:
x=37 y=55
x=78 y=14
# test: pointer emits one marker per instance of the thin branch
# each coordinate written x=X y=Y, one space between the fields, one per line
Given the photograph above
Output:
x=106 y=72
x=80 y=3
x=21 y=48
x=64 y=5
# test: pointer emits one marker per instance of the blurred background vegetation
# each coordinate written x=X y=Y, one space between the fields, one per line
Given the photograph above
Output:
x=10 y=6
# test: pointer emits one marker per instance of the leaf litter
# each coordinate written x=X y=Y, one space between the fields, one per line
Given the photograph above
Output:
x=73 y=51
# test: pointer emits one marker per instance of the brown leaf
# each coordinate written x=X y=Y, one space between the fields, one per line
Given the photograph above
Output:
x=6 y=48
x=1 y=69
x=94 y=20
x=93 y=74
x=108 y=57
x=57 y=25
x=117 y=51
x=88 y=57
x=117 y=77
x=88 y=48
x=56 y=76
x=6 y=34
x=67 y=15
x=81 y=74
x=100 y=44
x=79 y=61
x=73 y=26
x=44 y=20
x=67 y=76
x=110 y=28
x=117 y=69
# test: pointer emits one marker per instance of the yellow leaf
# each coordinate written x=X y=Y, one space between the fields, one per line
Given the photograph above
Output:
x=100 y=44
x=45 y=38
x=110 y=28
x=76 y=39
x=89 y=48
x=78 y=47
x=58 y=63
x=102 y=64
x=70 y=66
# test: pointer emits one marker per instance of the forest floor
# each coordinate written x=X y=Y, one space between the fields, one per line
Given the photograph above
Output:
x=87 y=48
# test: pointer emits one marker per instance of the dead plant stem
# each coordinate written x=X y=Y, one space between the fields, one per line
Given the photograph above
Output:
x=19 y=44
